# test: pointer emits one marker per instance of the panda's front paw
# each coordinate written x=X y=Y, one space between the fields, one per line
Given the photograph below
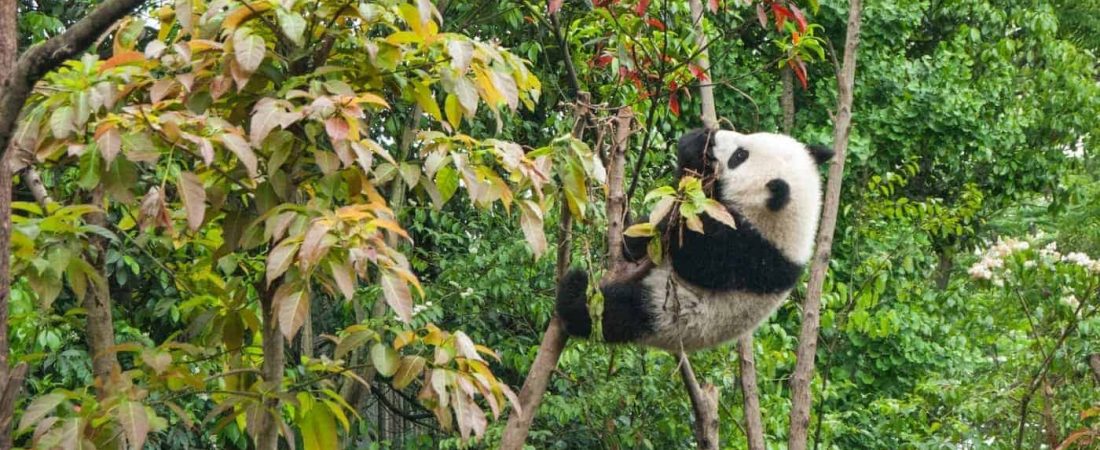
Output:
x=780 y=194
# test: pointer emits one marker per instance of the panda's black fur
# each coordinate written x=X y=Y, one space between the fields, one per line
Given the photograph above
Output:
x=719 y=266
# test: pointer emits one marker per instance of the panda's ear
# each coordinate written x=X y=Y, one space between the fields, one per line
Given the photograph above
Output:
x=694 y=150
x=821 y=153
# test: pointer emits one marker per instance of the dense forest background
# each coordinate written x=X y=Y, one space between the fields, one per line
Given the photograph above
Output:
x=336 y=223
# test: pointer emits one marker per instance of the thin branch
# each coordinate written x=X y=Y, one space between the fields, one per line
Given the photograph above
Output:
x=704 y=401
x=801 y=392
x=754 y=425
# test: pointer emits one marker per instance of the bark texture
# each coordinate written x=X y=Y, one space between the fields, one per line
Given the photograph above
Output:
x=706 y=90
x=97 y=304
x=267 y=435
x=801 y=392
x=754 y=425
x=704 y=402
x=9 y=386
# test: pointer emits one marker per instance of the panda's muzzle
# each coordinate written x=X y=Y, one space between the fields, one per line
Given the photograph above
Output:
x=780 y=194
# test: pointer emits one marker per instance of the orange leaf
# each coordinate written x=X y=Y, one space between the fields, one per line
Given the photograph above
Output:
x=122 y=59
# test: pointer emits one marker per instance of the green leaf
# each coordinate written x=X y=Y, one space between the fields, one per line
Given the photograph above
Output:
x=319 y=429
x=426 y=100
x=384 y=358
x=292 y=24
x=446 y=179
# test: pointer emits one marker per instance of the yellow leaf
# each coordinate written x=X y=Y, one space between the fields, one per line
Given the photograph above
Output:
x=454 y=111
x=243 y=14
x=644 y=229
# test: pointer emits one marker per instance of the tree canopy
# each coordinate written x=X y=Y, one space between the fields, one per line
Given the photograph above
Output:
x=336 y=224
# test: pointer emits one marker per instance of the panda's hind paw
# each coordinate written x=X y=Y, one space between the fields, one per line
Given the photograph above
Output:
x=572 y=303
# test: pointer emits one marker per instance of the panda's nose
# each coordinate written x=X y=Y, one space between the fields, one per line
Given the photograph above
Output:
x=780 y=194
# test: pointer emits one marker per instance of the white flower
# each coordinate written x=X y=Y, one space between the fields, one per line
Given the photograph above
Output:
x=1078 y=258
x=980 y=272
x=1029 y=264
x=998 y=282
x=1070 y=301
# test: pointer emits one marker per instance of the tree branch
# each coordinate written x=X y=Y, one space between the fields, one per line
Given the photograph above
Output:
x=554 y=339
x=801 y=393
x=754 y=425
x=704 y=401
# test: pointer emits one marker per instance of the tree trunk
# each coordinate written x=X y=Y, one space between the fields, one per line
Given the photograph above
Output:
x=704 y=402
x=97 y=304
x=706 y=90
x=11 y=380
x=801 y=392
x=267 y=437
x=754 y=425
x=8 y=387
x=1050 y=426
x=554 y=339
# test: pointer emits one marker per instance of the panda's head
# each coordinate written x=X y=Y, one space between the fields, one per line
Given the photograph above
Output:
x=771 y=179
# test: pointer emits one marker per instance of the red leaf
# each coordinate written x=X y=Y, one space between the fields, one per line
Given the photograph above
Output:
x=643 y=5
x=653 y=22
x=799 y=70
x=674 y=103
x=699 y=73
x=761 y=15
x=713 y=5
x=602 y=60
x=799 y=17
x=781 y=15
x=553 y=6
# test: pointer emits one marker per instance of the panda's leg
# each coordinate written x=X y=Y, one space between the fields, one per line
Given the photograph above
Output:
x=625 y=316
x=572 y=303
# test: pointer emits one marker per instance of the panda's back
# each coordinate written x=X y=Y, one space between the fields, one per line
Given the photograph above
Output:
x=685 y=317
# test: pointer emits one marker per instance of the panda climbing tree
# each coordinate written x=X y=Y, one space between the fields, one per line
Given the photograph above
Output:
x=738 y=237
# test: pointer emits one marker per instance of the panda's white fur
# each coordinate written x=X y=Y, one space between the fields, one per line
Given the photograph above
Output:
x=719 y=285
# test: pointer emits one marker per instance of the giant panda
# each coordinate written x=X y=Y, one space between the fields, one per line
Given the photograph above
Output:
x=719 y=285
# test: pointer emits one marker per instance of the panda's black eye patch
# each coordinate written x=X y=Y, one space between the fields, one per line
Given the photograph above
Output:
x=739 y=156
